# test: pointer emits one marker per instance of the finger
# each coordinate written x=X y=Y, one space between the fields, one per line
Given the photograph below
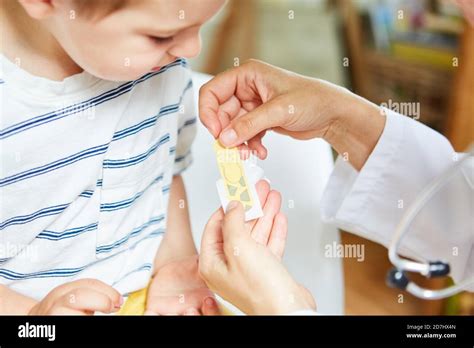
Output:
x=210 y=307
x=258 y=149
x=233 y=226
x=87 y=299
x=268 y=115
x=212 y=95
x=277 y=239
x=263 y=189
x=96 y=285
x=262 y=229
x=229 y=110
x=212 y=235
x=212 y=253
x=255 y=144
x=244 y=152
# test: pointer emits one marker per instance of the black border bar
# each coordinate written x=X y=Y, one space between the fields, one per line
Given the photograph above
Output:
x=261 y=330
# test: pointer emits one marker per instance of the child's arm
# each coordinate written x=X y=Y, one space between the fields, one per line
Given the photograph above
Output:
x=176 y=287
x=13 y=303
x=178 y=241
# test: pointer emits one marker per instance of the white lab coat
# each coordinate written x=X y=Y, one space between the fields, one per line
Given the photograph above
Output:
x=370 y=203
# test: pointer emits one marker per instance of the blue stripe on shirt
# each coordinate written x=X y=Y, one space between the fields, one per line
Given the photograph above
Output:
x=106 y=207
x=3 y=260
x=126 y=162
x=87 y=193
x=23 y=219
x=135 y=232
x=69 y=233
x=166 y=189
x=149 y=122
x=58 y=272
x=98 y=150
x=187 y=123
x=181 y=158
x=63 y=162
x=78 y=107
x=68 y=272
x=165 y=110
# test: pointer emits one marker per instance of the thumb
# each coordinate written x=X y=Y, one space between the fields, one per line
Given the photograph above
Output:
x=233 y=227
x=273 y=113
x=211 y=241
x=212 y=256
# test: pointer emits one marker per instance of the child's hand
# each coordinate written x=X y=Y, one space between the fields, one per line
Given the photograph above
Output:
x=80 y=297
x=177 y=289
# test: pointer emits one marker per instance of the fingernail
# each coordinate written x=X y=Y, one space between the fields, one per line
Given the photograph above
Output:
x=209 y=301
x=120 y=302
x=212 y=130
x=228 y=137
x=232 y=205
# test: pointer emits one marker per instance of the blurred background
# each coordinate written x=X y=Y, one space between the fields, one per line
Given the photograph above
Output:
x=388 y=51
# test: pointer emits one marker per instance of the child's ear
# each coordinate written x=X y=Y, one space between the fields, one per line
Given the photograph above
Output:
x=38 y=9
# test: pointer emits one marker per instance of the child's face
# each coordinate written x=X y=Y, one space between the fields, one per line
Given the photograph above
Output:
x=141 y=36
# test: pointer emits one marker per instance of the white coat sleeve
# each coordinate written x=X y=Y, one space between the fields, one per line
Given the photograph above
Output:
x=370 y=203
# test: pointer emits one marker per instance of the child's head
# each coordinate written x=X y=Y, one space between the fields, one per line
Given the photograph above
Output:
x=124 y=39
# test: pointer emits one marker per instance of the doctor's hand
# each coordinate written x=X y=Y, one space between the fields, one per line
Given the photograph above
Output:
x=241 y=104
x=242 y=263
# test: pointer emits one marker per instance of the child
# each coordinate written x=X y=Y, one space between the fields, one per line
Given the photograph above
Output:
x=90 y=168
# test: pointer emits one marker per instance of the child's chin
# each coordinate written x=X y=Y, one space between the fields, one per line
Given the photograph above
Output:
x=127 y=75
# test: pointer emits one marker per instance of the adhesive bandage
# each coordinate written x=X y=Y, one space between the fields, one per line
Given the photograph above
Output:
x=238 y=179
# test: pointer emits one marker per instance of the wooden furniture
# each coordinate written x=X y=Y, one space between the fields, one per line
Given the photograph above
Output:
x=460 y=123
x=446 y=96
x=237 y=31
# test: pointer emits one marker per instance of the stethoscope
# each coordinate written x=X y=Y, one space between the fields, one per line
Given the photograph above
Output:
x=397 y=277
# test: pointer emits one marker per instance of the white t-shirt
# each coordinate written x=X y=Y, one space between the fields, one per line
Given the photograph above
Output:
x=85 y=172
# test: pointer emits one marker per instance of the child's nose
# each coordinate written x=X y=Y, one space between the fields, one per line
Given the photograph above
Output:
x=187 y=47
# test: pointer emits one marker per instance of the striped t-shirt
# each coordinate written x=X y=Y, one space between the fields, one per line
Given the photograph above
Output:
x=85 y=172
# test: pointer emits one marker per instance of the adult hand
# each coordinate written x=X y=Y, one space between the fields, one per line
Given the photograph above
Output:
x=245 y=270
x=241 y=104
